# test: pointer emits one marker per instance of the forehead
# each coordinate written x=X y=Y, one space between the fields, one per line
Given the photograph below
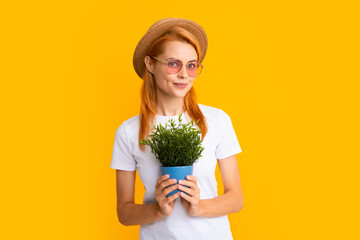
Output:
x=179 y=50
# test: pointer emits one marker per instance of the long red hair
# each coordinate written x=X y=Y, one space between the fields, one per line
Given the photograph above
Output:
x=148 y=88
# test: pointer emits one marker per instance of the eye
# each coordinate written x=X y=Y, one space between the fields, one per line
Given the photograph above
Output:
x=173 y=64
x=192 y=66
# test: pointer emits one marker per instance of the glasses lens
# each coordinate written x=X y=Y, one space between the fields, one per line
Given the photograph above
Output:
x=193 y=69
x=173 y=66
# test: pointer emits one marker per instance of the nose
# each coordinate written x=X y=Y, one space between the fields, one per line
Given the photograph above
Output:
x=183 y=71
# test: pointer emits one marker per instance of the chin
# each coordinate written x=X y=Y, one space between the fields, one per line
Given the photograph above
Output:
x=180 y=95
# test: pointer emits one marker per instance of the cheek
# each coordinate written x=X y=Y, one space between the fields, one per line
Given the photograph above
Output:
x=163 y=82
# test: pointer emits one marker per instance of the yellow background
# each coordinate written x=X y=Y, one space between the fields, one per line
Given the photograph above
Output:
x=286 y=72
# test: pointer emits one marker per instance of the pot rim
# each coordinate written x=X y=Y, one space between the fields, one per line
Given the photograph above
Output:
x=177 y=166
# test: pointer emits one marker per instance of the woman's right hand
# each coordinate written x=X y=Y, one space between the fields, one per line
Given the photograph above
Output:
x=166 y=204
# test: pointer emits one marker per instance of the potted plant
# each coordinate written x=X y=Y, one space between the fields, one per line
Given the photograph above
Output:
x=177 y=148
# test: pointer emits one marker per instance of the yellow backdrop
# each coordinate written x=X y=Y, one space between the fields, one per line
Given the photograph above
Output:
x=285 y=71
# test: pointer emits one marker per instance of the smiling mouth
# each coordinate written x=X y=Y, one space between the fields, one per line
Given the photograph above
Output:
x=180 y=85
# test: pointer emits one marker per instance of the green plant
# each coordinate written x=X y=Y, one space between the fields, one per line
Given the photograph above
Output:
x=176 y=146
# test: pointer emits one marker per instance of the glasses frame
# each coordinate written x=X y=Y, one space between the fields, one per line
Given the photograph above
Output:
x=167 y=61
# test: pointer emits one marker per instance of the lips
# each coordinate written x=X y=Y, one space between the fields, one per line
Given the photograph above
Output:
x=180 y=84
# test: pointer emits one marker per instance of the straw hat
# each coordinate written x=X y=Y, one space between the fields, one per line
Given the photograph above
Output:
x=158 y=29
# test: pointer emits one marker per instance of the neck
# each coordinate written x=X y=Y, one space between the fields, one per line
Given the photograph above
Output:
x=170 y=107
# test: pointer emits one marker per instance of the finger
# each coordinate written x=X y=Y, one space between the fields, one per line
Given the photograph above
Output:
x=192 y=178
x=168 y=190
x=188 y=183
x=166 y=183
x=161 y=195
x=163 y=185
x=190 y=191
x=161 y=179
x=186 y=197
x=173 y=197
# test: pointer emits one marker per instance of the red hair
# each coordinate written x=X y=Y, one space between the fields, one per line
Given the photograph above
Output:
x=148 y=88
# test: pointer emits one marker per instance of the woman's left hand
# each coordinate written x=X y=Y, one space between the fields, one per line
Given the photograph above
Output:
x=191 y=203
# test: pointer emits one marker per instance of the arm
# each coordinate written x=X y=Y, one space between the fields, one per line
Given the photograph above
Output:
x=128 y=212
x=232 y=199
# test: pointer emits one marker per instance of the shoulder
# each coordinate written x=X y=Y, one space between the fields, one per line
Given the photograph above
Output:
x=213 y=112
x=129 y=125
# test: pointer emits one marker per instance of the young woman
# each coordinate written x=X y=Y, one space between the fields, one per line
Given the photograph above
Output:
x=168 y=60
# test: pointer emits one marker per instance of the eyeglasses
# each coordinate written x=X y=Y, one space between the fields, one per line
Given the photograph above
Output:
x=173 y=66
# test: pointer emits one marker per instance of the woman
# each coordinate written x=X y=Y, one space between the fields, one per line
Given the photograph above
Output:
x=168 y=59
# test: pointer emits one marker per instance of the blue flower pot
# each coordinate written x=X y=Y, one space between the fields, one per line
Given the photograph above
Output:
x=178 y=173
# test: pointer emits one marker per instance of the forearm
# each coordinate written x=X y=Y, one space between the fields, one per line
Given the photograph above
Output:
x=229 y=202
x=138 y=214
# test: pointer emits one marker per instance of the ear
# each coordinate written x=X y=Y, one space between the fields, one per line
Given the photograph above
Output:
x=148 y=64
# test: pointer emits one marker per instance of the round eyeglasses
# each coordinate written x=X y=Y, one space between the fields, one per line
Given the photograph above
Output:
x=173 y=66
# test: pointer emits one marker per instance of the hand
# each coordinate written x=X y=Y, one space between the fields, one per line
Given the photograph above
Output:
x=191 y=203
x=166 y=204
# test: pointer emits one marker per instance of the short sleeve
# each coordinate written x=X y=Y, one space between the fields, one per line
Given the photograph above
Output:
x=122 y=157
x=228 y=144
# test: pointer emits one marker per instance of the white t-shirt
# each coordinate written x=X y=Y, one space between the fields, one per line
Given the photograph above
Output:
x=220 y=142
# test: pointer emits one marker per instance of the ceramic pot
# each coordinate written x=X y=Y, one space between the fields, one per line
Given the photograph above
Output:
x=178 y=173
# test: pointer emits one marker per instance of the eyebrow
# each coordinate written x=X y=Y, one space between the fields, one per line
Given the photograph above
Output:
x=194 y=60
